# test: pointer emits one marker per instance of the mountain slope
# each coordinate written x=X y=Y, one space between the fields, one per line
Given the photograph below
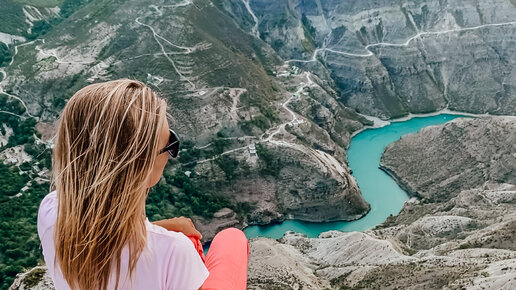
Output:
x=389 y=58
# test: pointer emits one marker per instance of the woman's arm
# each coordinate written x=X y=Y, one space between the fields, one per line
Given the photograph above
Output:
x=180 y=224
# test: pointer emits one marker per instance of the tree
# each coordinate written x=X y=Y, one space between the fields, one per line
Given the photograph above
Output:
x=228 y=165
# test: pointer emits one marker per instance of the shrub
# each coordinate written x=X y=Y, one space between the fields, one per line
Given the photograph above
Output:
x=228 y=165
x=271 y=164
x=186 y=199
x=34 y=277
x=5 y=54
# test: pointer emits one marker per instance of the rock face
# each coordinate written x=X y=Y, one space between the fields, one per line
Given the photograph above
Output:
x=388 y=58
x=224 y=218
x=36 y=278
x=441 y=161
x=459 y=236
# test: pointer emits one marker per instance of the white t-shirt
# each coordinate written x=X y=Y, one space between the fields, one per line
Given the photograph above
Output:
x=169 y=260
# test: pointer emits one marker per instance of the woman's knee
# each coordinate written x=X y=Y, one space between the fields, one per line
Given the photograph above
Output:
x=233 y=233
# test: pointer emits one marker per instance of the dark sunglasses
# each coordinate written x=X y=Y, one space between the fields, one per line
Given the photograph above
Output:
x=172 y=145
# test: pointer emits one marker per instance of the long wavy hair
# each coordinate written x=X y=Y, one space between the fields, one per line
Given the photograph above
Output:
x=106 y=145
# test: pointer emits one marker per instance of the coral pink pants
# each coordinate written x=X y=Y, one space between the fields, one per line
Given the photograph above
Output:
x=226 y=260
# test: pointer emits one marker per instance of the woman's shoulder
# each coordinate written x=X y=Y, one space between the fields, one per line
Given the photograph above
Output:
x=47 y=212
x=49 y=198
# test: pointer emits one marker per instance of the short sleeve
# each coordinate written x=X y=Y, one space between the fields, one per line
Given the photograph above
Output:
x=186 y=270
x=47 y=213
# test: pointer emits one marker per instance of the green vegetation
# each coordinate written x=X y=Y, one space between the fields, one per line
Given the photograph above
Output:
x=421 y=19
x=408 y=250
x=277 y=44
x=32 y=279
x=219 y=144
x=70 y=6
x=362 y=35
x=185 y=193
x=23 y=129
x=5 y=54
x=308 y=42
x=23 y=132
x=260 y=122
x=268 y=116
x=10 y=181
x=41 y=153
x=180 y=195
x=119 y=44
x=470 y=245
x=270 y=164
x=39 y=28
x=68 y=87
x=379 y=30
x=14 y=20
x=12 y=106
x=188 y=154
x=308 y=26
x=229 y=165
x=19 y=242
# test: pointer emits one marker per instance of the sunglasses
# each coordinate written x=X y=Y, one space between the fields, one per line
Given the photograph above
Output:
x=172 y=145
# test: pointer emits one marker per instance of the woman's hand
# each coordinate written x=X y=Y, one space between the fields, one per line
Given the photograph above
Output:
x=180 y=224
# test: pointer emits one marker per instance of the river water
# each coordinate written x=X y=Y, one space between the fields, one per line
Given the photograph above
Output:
x=378 y=189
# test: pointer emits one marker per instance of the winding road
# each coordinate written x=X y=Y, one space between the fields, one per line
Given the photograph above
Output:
x=157 y=37
x=185 y=49
x=53 y=54
x=325 y=161
x=404 y=44
x=2 y=91
x=294 y=120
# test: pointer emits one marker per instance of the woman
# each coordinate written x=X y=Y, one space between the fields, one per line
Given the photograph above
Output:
x=112 y=145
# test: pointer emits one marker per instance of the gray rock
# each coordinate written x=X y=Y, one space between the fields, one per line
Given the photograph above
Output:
x=388 y=58
x=460 y=155
x=36 y=278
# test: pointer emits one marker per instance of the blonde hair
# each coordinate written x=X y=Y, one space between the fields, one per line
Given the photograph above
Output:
x=106 y=145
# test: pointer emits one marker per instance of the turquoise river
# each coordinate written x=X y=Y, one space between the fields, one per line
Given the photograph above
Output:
x=378 y=189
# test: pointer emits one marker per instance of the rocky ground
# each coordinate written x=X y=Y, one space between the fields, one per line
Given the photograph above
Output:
x=468 y=153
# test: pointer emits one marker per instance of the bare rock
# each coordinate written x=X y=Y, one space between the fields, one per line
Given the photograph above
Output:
x=37 y=278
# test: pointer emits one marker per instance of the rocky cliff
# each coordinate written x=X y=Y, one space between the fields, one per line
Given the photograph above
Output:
x=441 y=161
x=388 y=58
